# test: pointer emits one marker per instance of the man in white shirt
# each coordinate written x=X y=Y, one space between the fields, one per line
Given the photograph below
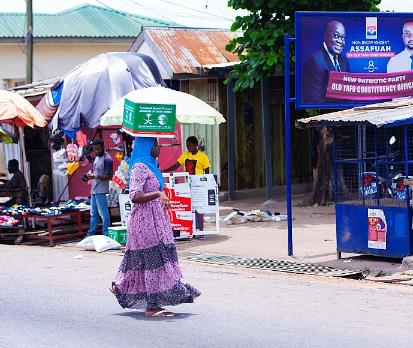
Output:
x=404 y=60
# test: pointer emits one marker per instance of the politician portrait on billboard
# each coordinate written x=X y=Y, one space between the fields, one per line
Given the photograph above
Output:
x=352 y=58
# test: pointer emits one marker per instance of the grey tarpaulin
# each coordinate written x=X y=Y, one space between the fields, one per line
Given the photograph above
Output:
x=92 y=87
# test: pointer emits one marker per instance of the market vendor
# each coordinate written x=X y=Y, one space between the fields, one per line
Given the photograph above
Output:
x=17 y=182
x=195 y=162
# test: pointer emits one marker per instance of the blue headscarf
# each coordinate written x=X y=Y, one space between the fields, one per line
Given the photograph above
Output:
x=142 y=154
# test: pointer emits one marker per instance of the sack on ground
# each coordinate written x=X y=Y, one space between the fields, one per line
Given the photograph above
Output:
x=99 y=243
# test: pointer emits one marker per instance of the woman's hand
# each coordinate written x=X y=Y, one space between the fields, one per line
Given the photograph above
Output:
x=164 y=200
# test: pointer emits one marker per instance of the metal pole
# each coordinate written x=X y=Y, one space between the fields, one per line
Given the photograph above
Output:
x=267 y=138
x=29 y=41
x=25 y=165
x=231 y=140
x=288 y=141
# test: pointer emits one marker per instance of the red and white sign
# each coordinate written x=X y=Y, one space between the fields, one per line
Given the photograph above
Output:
x=180 y=210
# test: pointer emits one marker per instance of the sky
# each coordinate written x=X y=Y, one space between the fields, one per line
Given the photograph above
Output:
x=198 y=13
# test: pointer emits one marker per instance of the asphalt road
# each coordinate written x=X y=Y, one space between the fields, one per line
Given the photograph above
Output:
x=49 y=298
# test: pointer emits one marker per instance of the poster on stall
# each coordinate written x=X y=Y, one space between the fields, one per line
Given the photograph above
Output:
x=180 y=209
x=204 y=193
x=377 y=229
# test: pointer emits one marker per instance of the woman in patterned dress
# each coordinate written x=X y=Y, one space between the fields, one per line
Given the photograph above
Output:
x=149 y=276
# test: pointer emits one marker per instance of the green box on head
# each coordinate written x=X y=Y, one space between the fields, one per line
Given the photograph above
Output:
x=156 y=120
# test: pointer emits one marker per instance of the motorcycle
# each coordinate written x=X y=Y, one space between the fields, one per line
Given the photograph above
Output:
x=373 y=185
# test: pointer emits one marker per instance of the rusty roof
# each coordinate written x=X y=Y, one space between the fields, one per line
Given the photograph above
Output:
x=187 y=50
x=395 y=112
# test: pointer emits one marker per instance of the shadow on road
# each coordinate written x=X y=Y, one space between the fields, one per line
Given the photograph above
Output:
x=141 y=316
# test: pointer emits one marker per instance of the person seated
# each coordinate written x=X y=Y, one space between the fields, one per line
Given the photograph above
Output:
x=17 y=182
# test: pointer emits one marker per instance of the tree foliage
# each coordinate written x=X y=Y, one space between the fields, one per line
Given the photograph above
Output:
x=261 y=45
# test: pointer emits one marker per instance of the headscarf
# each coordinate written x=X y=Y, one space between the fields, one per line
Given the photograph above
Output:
x=142 y=154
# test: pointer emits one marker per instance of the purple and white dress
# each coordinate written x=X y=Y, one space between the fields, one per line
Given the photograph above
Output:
x=149 y=276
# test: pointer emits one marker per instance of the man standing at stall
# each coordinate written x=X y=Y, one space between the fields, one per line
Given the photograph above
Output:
x=195 y=162
x=101 y=173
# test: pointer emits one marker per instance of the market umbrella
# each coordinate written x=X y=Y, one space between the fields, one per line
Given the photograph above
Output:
x=189 y=109
x=16 y=110
x=92 y=87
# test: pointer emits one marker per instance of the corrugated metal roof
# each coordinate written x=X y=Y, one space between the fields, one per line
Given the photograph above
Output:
x=82 y=21
x=219 y=65
x=188 y=49
x=399 y=111
x=36 y=88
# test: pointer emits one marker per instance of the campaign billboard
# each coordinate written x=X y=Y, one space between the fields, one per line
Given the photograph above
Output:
x=345 y=59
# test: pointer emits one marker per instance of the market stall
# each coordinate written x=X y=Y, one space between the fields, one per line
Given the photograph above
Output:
x=373 y=162
x=18 y=112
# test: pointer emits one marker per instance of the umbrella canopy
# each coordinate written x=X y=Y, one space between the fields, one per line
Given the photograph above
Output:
x=16 y=110
x=92 y=87
x=189 y=109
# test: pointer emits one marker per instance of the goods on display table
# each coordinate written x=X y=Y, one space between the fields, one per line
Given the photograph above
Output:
x=58 y=221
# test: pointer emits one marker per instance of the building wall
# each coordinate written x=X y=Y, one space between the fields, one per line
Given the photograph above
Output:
x=49 y=60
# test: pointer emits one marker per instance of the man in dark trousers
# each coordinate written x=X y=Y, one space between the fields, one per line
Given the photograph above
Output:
x=318 y=66
x=17 y=182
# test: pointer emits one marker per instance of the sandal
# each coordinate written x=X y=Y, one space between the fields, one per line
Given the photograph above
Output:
x=112 y=289
x=159 y=313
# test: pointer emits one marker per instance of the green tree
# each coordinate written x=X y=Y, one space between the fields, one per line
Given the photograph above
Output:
x=260 y=47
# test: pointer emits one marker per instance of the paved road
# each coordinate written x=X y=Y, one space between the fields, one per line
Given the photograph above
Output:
x=49 y=298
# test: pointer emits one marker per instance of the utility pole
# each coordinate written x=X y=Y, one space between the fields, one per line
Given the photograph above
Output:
x=29 y=41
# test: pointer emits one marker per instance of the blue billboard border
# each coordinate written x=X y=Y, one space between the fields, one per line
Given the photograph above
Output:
x=298 y=15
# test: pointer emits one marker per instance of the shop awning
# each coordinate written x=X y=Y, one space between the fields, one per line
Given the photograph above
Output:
x=392 y=113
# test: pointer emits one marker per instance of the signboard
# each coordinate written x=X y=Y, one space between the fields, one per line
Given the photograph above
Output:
x=377 y=229
x=344 y=59
x=204 y=193
x=156 y=120
x=180 y=208
x=125 y=207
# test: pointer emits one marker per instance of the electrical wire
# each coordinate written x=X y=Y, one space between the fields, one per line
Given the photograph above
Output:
x=104 y=4
x=195 y=10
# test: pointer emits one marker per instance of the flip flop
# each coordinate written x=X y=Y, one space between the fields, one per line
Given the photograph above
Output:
x=112 y=289
x=160 y=313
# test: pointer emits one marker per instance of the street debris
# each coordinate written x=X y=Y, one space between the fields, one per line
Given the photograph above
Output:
x=407 y=262
x=405 y=278
x=255 y=215
x=79 y=257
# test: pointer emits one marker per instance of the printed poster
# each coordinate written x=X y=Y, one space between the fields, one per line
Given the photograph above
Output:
x=377 y=229
x=346 y=59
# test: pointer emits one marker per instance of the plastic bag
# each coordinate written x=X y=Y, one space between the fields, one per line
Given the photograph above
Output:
x=87 y=243
x=103 y=243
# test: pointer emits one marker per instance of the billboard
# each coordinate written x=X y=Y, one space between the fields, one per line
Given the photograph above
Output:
x=345 y=59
